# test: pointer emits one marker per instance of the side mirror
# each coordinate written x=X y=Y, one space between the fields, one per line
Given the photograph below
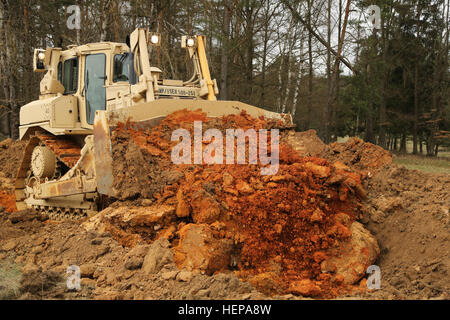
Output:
x=39 y=60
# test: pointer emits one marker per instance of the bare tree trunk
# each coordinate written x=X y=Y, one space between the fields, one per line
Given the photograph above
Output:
x=308 y=25
x=369 y=135
x=403 y=142
x=421 y=144
x=334 y=105
x=280 y=81
x=104 y=20
x=249 y=9
x=5 y=112
x=282 y=49
x=416 y=107
x=11 y=78
x=290 y=73
x=224 y=53
x=433 y=124
x=268 y=11
x=115 y=15
x=334 y=82
x=3 y=52
x=84 y=21
x=384 y=81
x=134 y=10
x=328 y=106
x=299 y=78
x=416 y=87
x=311 y=71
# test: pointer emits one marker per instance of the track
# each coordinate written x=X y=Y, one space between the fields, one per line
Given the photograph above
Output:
x=67 y=153
x=65 y=150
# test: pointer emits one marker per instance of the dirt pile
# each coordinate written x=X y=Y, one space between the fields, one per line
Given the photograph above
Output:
x=11 y=153
x=7 y=201
x=135 y=167
x=408 y=212
x=35 y=254
x=306 y=144
x=283 y=233
x=357 y=154
x=10 y=157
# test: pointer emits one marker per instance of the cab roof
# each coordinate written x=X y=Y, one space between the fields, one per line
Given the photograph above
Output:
x=117 y=47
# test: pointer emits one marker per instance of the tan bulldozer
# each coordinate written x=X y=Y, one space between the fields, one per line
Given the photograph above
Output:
x=86 y=91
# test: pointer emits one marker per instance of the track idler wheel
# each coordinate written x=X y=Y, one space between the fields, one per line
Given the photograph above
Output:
x=43 y=162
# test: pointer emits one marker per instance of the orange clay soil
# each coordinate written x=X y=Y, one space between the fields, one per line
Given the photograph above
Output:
x=282 y=224
x=8 y=201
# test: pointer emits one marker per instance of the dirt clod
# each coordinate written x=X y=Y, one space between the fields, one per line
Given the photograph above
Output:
x=158 y=256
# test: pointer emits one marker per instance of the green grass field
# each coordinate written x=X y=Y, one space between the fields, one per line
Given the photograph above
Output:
x=440 y=164
x=423 y=163
x=9 y=279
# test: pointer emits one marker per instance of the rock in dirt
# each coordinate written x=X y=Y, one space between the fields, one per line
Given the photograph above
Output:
x=158 y=256
x=319 y=171
x=169 y=275
x=359 y=155
x=183 y=209
x=306 y=143
x=264 y=218
x=134 y=263
x=131 y=225
x=387 y=205
x=88 y=282
x=87 y=270
x=204 y=208
x=305 y=288
x=199 y=250
x=24 y=215
x=267 y=282
x=135 y=258
x=185 y=276
x=36 y=281
x=353 y=257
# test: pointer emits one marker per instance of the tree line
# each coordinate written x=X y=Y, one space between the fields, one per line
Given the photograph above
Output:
x=324 y=61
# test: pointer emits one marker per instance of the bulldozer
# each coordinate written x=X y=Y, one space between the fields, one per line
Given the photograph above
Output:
x=87 y=90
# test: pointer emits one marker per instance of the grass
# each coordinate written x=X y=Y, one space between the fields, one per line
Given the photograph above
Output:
x=423 y=163
x=9 y=279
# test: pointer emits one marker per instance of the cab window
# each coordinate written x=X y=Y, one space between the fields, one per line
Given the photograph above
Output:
x=70 y=76
x=124 y=69
x=60 y=72
x=94 y=79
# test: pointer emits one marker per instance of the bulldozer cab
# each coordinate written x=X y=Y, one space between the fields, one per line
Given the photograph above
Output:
x=108 y=76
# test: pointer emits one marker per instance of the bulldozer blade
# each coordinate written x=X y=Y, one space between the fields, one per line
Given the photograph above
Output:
x=148 y=115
